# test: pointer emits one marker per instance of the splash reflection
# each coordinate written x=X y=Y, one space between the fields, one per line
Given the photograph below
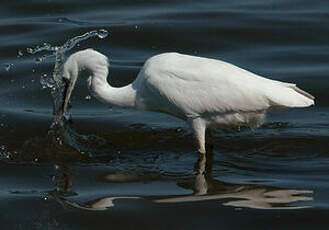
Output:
x=63 y=180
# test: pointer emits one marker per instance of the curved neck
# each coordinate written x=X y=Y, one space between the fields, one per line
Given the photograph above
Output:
x=122 y=96
x=97 y=64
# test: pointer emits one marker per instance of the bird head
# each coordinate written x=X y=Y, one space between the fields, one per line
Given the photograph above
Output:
x=85 y=60
x=70 y=76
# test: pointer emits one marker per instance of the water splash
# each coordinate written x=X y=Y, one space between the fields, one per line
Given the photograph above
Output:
x=8 y=66
x=60 y=130
x=55 y=82
x=20 y=53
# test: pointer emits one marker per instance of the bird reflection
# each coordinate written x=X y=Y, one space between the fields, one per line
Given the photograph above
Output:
x=205 y=188
x=203 y=185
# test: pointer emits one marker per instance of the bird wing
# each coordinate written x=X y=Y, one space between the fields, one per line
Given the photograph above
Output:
x=198 y=86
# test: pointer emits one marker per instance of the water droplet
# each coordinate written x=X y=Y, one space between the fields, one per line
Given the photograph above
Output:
x=88 y=97
x=38 y=60
x=29 y=50
x=19 y=53
x=102 y=33
x=47 y=82
x=8 y=66
x=136 y=27
x=46 y=45
x=43 y=80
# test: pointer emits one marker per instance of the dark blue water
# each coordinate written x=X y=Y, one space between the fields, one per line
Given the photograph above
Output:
x=139 y=170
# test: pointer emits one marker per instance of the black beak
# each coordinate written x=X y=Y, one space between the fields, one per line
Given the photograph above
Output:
x=68 y=90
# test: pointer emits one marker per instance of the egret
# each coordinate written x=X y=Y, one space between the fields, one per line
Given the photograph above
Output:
x=207 y=93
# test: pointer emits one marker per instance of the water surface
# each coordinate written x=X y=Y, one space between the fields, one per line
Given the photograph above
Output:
x=139 y=170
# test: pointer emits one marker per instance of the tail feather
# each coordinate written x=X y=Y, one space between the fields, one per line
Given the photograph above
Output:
x=289 y=95
x=306 y=94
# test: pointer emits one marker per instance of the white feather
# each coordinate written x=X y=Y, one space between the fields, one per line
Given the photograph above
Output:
x=206 y=92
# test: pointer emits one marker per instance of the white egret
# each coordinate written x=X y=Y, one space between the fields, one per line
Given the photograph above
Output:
x=204 y=92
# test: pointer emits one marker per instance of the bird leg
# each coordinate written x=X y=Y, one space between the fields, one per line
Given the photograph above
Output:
x=199 y=130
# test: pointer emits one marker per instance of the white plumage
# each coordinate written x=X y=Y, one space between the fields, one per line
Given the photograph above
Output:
x=205 y=92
